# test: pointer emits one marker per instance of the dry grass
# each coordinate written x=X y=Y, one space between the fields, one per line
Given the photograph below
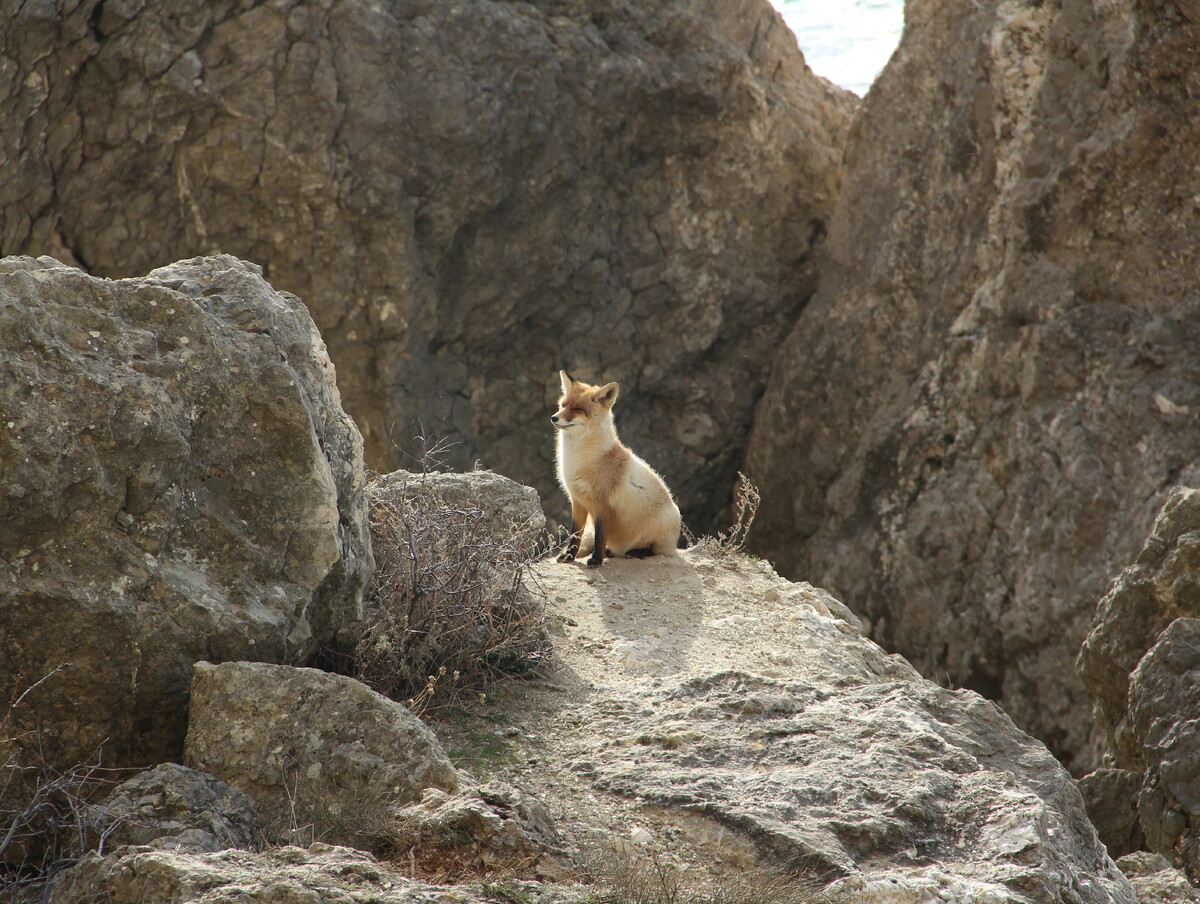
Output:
x=48 y=817
x=745 y=507
x=451 y=607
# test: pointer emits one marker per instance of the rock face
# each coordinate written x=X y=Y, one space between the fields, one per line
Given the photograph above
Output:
x=1142 y=664
x=319 y=754
x=973 y=421
x=175 y=808
x=180 y=483
x=468 y=197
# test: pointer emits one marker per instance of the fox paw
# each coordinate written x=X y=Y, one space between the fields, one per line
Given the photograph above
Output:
x=594 y=562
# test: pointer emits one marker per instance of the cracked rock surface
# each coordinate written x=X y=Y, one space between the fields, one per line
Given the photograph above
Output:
x=180 y=484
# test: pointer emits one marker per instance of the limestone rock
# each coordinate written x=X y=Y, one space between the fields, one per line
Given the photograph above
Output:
x=499 y=823
x=882 y=784
x=468 y=196
x=320 y=755
x=172 y=807
x=1156 y=881
x=282 y=875
x=1162 y=584
x=1111 y=799
x=971 y=426
x=180 y=483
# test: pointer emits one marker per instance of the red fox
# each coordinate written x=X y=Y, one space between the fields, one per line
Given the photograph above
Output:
x=619 y=505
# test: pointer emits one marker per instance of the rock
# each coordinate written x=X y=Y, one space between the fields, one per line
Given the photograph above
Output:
x=282 y=875
x=511 y=511
x=494 y=823
x=972 y=424
x=1164 y=709
x=1111 y=799
x=467 y=196
x=321 y=755
x=1162 y=584
x=175 y=808
x=786 y=738
x=180 y=483
x=876 y=784
x=1156 y=881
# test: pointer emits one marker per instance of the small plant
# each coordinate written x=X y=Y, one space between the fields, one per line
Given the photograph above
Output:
x=450 y=608
x=745 y=505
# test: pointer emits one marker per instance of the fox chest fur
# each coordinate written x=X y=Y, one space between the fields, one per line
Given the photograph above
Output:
x=614 y=494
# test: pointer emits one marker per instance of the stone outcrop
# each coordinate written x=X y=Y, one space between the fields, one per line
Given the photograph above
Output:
x=180 y=484
x=467 y=196
x=174 y=808
x=281 y=875
x=971 y=426
x=760 y=716
x=1142 y=664
x=319 y=754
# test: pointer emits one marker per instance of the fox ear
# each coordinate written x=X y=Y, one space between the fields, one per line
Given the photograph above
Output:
x=566 y=379
x=606 y=395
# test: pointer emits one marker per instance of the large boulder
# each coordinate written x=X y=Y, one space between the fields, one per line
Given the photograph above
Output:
x=322 y=756
x=971 y=427
x=469 y=196
x=180 y=483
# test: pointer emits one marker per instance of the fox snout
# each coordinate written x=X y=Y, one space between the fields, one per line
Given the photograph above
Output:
x=560 y=422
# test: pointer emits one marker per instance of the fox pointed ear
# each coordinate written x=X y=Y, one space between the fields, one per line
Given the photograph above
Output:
x=607 y=394
x=567 y=380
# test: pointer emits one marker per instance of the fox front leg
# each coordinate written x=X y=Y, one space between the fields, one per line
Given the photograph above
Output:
x=597 y=557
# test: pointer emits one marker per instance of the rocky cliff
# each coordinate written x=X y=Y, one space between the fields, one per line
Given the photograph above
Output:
x=972 y=425
x=467 y=196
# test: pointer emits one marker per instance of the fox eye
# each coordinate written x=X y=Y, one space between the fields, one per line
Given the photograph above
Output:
x=576 y=411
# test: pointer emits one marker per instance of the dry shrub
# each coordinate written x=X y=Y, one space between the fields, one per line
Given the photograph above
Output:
x=745 y=507
x=451 y=607
x=48 y=817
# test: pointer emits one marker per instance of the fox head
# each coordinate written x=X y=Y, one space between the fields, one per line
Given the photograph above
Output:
x=582 y=404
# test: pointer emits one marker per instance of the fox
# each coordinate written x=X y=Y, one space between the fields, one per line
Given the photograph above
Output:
x=619 y=504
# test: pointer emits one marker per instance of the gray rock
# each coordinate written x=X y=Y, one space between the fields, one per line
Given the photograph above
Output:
x=512 y=512
x=284 y=875
x=180 y=483
x=502 y=823
x=1111 y=799
x=895 y=789
x=322 y=756
x=969 y=430
x=468 y=196
x=1160 y=586
x=1164 y=709
x=1156 y=881
x=172 y=807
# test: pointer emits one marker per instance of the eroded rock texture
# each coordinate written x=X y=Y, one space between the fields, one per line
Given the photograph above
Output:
x=468 y=196
x=180 y=483
x=972 y=425
x=320 y=755
x=1142 y=664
